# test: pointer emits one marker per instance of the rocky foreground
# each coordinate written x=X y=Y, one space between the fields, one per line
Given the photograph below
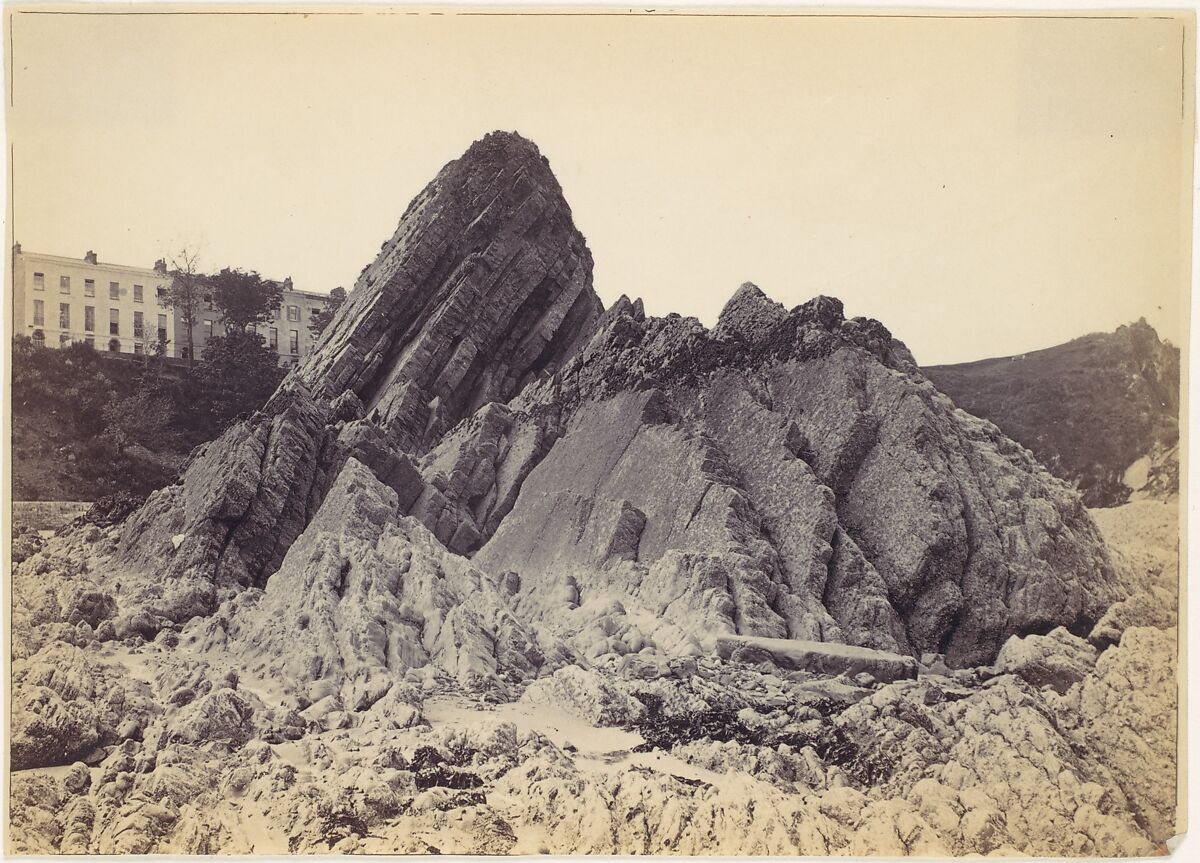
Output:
x=498 y=570
x=1065 y=746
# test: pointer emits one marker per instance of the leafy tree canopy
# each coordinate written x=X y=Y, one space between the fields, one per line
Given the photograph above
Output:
x=236 y=376
x=244 y=298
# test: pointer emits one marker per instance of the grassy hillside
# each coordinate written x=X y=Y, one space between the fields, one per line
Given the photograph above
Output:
x=1087 y=409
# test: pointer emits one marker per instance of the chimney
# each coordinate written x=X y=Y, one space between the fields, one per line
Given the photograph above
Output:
x=287 y=283
x=160 y=266
x=90 y=257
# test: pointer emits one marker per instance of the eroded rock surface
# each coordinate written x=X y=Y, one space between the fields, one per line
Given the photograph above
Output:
x=794 y=477
x=498 y=571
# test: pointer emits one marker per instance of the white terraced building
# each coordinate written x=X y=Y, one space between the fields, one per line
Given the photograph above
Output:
x=114 y=307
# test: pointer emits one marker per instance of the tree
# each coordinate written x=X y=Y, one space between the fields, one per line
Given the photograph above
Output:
x=244 y=299
x=185 y=293
x=236 y=376
x=318 y=322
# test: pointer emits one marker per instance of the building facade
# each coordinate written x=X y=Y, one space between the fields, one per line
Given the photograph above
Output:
x=288 y=334
x=113 y=307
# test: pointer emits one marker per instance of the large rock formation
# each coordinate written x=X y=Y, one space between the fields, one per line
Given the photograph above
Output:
x=639 y=483
x=496 y=570
x=485 y=285
x=1101 y=411
x=790 y=474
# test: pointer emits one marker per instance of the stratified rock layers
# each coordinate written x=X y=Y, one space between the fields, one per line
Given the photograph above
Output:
x=795 y=477
x=485 y=285
x=714 y=558
x=787 y=475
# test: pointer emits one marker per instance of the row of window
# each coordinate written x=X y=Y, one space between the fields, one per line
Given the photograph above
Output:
x=114 y=325
x=89 y=287
x=114 y=345
x=272 y=337
x=89 y=320
x=114 y=293
x=292 y=312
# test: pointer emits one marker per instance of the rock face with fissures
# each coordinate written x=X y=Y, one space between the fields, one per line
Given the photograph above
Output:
x=498 y=570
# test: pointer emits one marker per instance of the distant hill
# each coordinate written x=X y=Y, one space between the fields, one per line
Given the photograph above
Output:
x=1101 y=411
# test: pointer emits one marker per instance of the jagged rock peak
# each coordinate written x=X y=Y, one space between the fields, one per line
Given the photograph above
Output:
x=624 y=306
x=504 y=148
x=1143 y=339
x=484 y=286
x=749 y=313
x=823 y=310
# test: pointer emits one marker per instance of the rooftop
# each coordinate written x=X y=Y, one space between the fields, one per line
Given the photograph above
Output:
x=151 y=271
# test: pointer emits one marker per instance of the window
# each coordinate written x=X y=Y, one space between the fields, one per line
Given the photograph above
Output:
x=89 y=318
x=64 y=316
x=39 y=313
x=207 y=330
x=90 y=341
x=139 y=348
x=293 y=313
x=273 y=338
x=137 y=293
x=64 y=284
x=294 y=341
x=39 y=281
x=89 y=287
x=138 y=326
x=276 y=310
x=114 y=290
x=39 y=338
x=114 y=323
x=64 y=339
x=160 y=291
x=114 y=345
x=162 y=328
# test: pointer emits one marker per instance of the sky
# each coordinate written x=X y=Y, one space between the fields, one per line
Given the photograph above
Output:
x=982 y=186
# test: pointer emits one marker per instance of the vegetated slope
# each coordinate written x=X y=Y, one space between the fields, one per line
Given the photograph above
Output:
x=731 y=545
x=1090 y=409
x=88 y=424
x=59 y=450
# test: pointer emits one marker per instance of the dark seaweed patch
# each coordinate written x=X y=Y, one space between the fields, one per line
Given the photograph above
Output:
x=720 y=725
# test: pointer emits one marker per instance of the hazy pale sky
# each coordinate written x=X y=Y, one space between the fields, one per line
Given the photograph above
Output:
x=982 y=186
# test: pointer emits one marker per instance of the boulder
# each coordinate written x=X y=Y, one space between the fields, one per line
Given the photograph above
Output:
x=817 y=657
x=47 y=730
x=1059 y=659
x=223 y=717
x=586 y=694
